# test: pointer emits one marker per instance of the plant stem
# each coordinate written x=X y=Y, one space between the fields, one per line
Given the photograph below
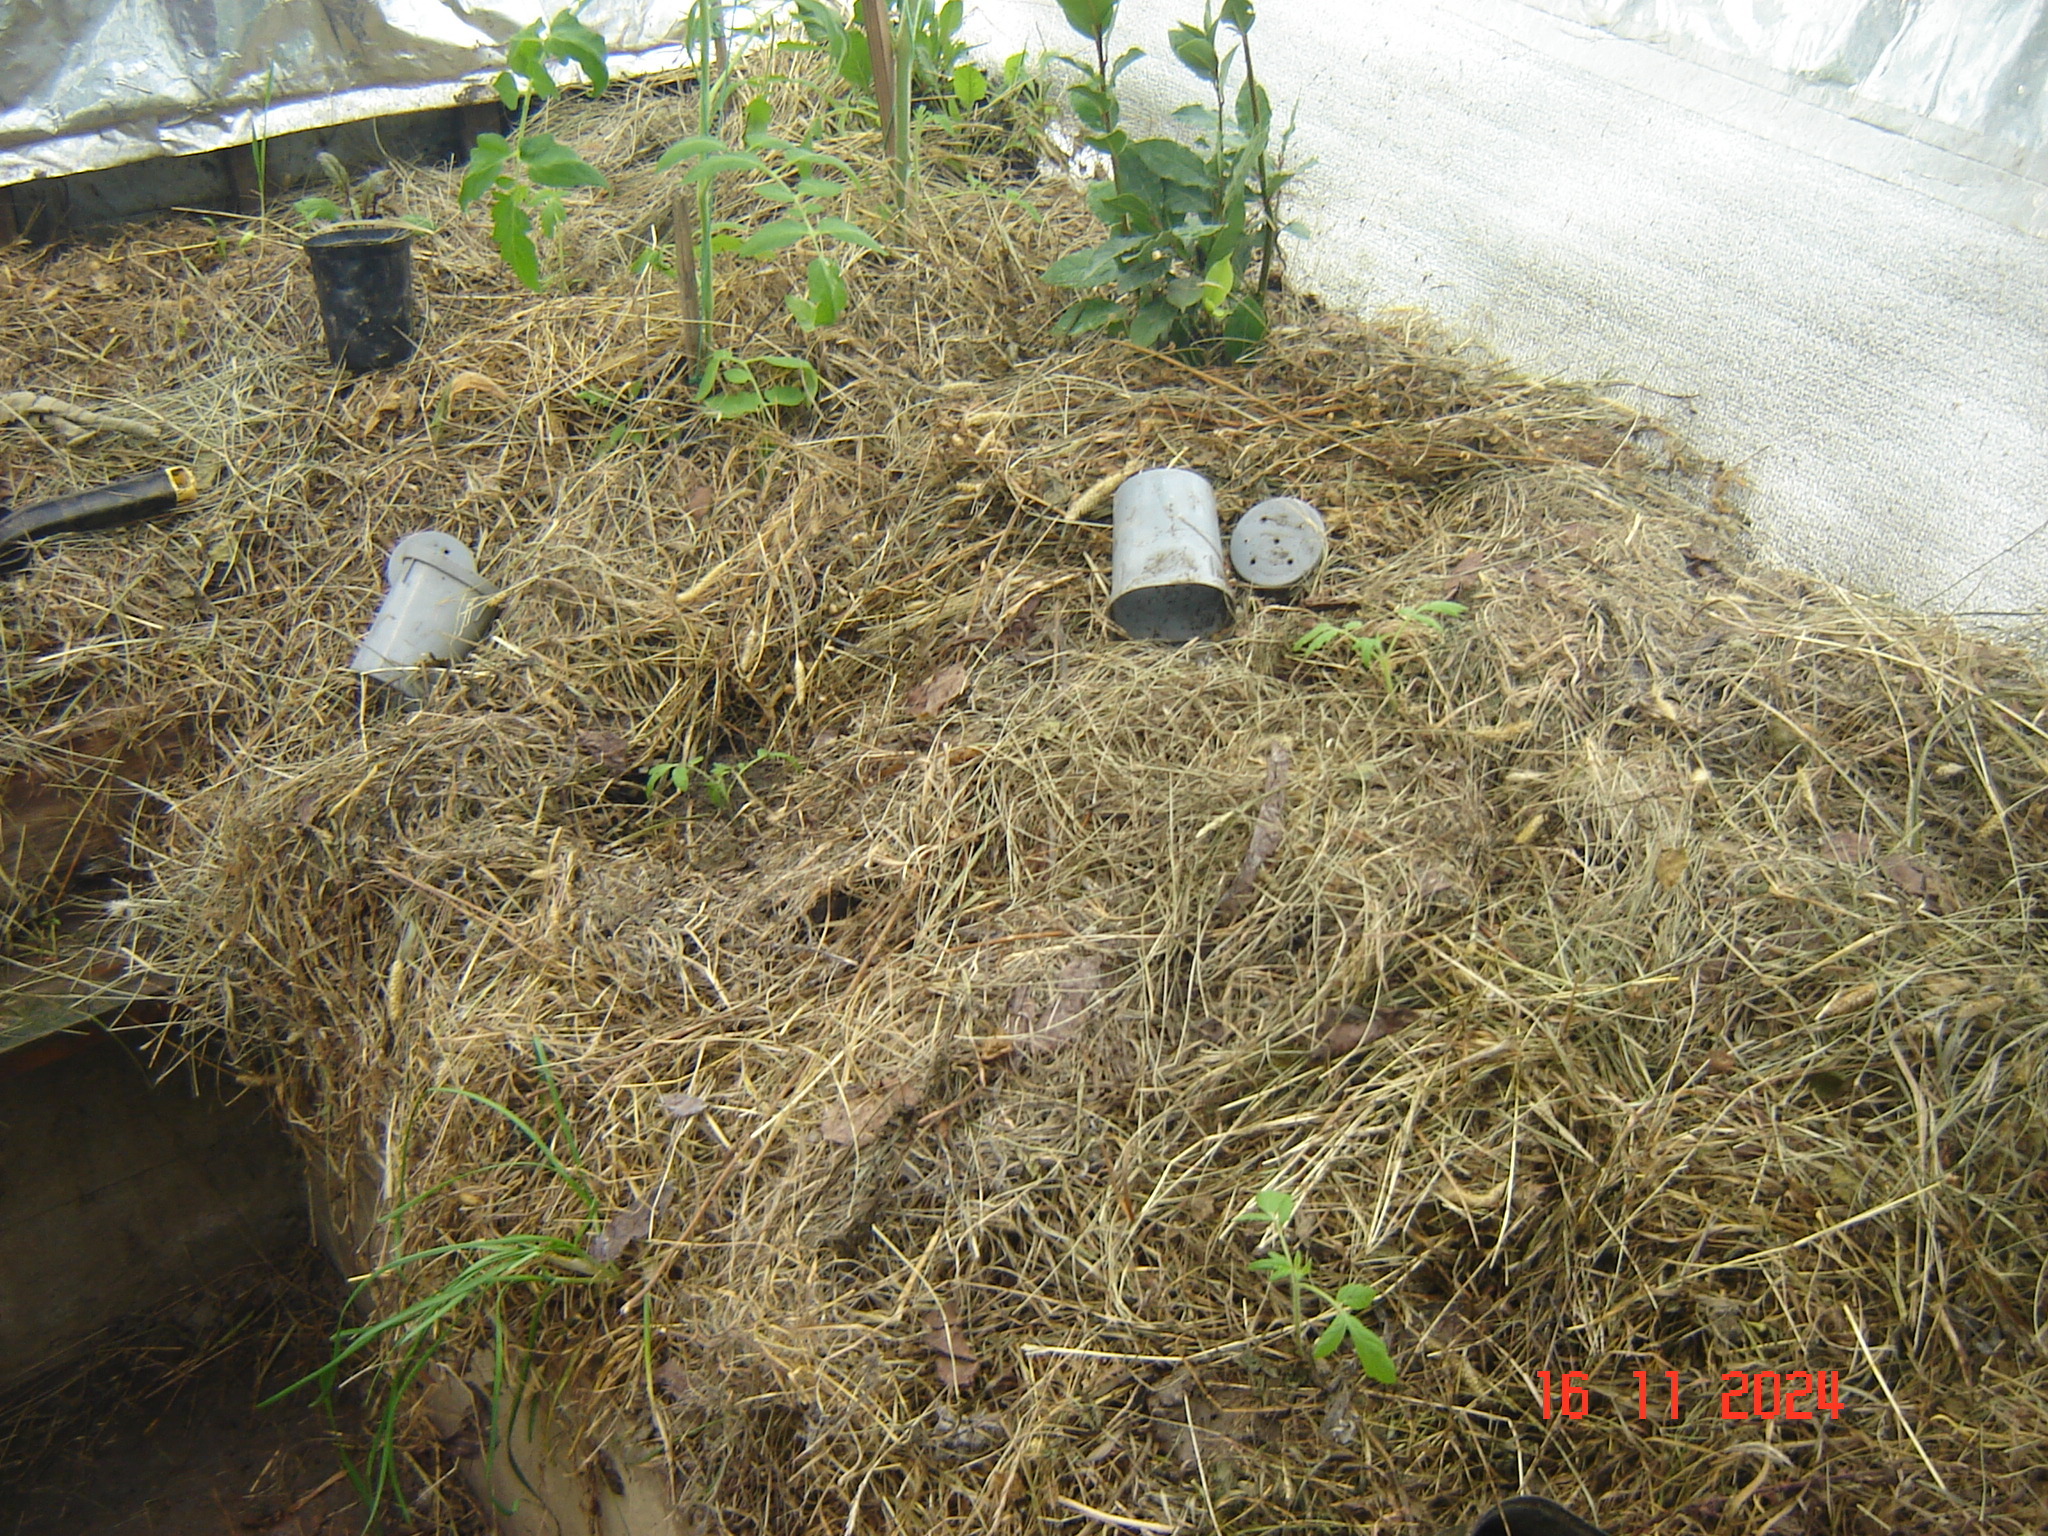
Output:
x=705 y=298
x=908 y=14
x=695 y=321
x=874 y=19
x=1269 y=234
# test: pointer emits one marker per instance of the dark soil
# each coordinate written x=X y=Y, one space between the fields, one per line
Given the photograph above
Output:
x=161 y=1430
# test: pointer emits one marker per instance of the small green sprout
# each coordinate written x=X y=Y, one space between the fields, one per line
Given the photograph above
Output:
x=1276 y=1208
x=1375 y=647
x=718 y=782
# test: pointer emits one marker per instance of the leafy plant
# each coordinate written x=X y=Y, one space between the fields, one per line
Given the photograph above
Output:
x=942 y=75
x=351 y=199
x=799 y=186
x=719 y=782
x=487 y=1269
x=524 y=176
x=1193 y=228
x=1285 y=1266
x=1375 y=647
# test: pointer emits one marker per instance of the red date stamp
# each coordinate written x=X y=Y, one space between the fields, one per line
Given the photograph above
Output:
x=1792 y=1395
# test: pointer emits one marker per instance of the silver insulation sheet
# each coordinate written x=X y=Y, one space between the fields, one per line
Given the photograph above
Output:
x=86 y=84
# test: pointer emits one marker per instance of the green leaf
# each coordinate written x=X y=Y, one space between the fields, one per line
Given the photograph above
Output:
x=1172 y=161
x=1253 y=108
x=1372 y=1354
x=729 y=404
x=824 y=298
x=1125 y=209
x=1084 y=269
x=1184 y=291
x=1279 y=1265
x=1123 y=62
x=842 y=229
x=513 y=230
x=1245 y=326
x=1086 y=315
x=818 y=187
x=553 y=164
x=759 y=113
x=718 y=165
x=1331 y=1339
x=314 y=209
x=1096 y=110
x=1276 y=1205
x=508 y=90
x=485 y=161
x=970 y=86
x=1216 y=285
x=693 y=147
x=778 y=236
x=1239 y=14
x=1091 y=18
x=528 y=60
x=1357 y=1296
x=773 y=191
x=1196 y=49
x=569 y=38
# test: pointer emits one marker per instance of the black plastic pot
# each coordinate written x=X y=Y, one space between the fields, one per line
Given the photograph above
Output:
x=1527 y=1515
x=363 y=276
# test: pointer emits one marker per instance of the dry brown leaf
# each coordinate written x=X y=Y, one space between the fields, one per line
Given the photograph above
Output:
x=938 y=690
x=1848 y=1000
x=1038 y=1028
x=1719 y=1062
x=627 y=1227
x=860 y=1117
x=699 y=501
x=608 y=747
x=953 y=1356
x=471 y=382
x=1266 y=834
x=1204 y=1429
x=1357 y=1026
x=1473 y=1202
x=1934 y=891
x=1023 y=625
x=673 y=1380
x=1670 y=866
x=1849 y=847
x=683 y=1105
x=1465 y=573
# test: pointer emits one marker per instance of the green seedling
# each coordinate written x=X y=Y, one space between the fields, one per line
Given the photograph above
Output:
x=1375 y=647
x=351 y=199
x=719 y=783
x=523 y=177
x=1193 y=227
x=942 y=76
x=1285 y=1266
x=798 y=187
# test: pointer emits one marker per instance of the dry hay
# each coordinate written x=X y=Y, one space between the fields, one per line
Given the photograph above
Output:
x=1645 y=979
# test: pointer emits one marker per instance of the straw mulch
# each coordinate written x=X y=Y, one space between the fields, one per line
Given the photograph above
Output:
x=1645 y=977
